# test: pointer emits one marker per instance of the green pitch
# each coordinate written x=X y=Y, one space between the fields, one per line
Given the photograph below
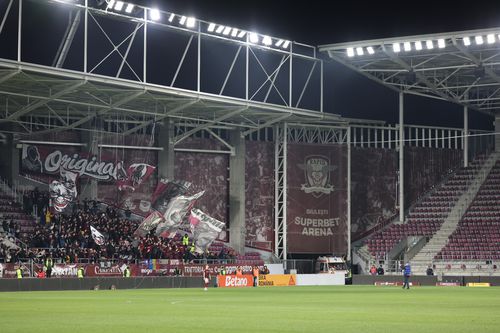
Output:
x=342 y=309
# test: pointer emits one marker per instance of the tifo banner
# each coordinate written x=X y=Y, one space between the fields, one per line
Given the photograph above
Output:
x=317 y=198
x=259 y=194
x=232 y=281
x=275 y=280
x=374 y=177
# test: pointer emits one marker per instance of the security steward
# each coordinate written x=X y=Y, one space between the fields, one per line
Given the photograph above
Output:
x=19 y=273
x=80 y=273
x=126 y=272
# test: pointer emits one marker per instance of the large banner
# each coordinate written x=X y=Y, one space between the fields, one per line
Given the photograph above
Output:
x=259 y=194
x=317 y=199
x=374 y=177
x=277 y=280
x=234 y=281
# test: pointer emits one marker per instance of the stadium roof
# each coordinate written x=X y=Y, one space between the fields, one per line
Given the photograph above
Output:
x=461 y=67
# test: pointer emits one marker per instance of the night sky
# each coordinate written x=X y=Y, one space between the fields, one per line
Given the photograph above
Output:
x=324 y=22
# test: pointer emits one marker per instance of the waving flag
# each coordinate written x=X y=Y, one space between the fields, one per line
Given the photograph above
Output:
x=176 y=210
x=97 y=236
x=205 y=229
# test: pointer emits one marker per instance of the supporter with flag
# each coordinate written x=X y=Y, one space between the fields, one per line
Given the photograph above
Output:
x=204 y=228
x=97 y=236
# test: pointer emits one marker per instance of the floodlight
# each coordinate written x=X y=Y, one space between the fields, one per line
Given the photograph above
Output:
x=226 y=31
x=182 y=21
x=191 y=22
x=441 y=43
x=490 y=38
x=254 y=38
x=119 y=5
x=479 y=40
x=418 y=45
x=285 y=44
x=466 y=41
x=219 y=29
x=359 y=51
x=429 y=44
x=242 y=34
x=129 y=9
x=234 y=32
x=350 y=52
x=155 y=14
x=407 y=46
x=171 y=17
x=111 y=3
x=266 y=40
x=370 y=50
x=396 y=48
x=279 y=42
x=211 y=27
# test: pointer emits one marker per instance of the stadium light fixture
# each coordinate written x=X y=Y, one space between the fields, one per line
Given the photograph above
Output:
x=407 y=46
x=171 y=17
x=242 y=34
x=466 y=41
x=370 y=50
x=219 y=29
x=154 y=14
x=129 y=9
x=286 y=44
x=350 y=52
x=479 y=40
x=396 y=47
x=266 y=40
x=190 y=22
x=429 y=44
x=490 y=38
x=234 y=32
x=359 y=51
x=182 y=20
x=111 y=3
x=119 y=5
x=418 y=45
x=253 y=37
x=226 y=31
x=441 y=43
x=211 y=27
x=279 y=43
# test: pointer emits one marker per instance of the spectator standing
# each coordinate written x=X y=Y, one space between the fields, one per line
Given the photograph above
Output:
x=373 y=270
x=49 y=263
x=380 y=270
x=429 y=271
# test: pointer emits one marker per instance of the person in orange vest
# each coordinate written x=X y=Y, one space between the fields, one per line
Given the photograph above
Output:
x=255 y=273
x=239 y=271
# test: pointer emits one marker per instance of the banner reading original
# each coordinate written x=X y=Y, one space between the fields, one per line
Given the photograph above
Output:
x=277 y=280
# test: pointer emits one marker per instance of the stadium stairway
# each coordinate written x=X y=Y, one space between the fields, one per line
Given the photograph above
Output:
x=426 y=255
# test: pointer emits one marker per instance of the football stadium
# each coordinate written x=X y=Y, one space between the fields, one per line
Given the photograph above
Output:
x=163 y=172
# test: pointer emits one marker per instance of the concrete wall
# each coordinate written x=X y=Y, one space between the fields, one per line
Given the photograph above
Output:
x=33 y=284
x=370 y=280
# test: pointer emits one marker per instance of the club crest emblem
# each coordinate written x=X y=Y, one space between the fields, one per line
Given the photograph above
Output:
x=317 y=175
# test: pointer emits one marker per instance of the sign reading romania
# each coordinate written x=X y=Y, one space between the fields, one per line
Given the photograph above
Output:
x=317 y=198
x=273 y=280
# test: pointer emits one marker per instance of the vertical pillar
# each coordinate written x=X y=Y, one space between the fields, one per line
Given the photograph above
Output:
x=89 y=186
x=166 y=157
x=349 y=193
x=466 y=136
x=237 y=192
x=401 y=159
x=497 y=136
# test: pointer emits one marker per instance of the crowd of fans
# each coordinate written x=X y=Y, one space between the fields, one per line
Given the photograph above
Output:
x=67 y=238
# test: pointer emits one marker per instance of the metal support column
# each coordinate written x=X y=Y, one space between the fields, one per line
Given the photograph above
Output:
x=19 y=30
x=280 y=195
x=401 y=159
x=466 y=136
x=349 y=193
